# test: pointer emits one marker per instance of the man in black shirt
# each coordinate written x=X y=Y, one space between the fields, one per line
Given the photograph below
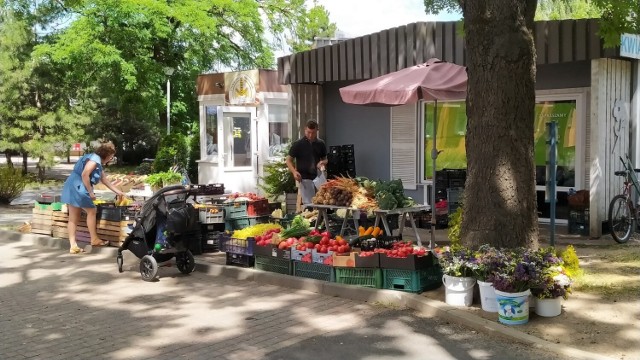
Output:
x=310 y=154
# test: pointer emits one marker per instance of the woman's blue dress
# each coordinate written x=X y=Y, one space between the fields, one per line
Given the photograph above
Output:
x=74 y=192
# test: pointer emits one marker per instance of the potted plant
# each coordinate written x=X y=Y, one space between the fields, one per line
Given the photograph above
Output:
x=512 y=283
x=552 y=283
x=458 y=265
x=161 y=179
x=278 y=180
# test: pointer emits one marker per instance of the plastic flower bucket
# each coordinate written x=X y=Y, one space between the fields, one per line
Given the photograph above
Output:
x=513 y=308
x=488 y=296
x=458 y=290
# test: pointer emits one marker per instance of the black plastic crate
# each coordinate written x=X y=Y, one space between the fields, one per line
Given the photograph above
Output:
x=211 y=241
x=240 y=260
x=579 y=222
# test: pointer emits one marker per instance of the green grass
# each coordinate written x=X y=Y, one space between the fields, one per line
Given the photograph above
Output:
x=612 y=271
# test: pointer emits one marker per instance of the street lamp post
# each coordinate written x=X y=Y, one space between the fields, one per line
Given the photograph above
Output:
x=168 y=71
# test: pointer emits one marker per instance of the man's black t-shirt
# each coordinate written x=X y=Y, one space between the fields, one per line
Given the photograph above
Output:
x=307 y=154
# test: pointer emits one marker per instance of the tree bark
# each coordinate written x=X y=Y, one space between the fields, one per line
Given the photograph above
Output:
x=500 y=196
x=7 y=155
x=25 y=164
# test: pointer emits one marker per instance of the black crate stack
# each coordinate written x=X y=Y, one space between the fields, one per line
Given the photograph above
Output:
x=211 y=237
x=449 y=187
x=342 y=161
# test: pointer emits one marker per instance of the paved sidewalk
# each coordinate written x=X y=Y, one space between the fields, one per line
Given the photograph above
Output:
x=210 y=265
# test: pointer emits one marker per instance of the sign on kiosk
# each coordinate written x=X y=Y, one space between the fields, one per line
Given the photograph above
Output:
x=630 y=46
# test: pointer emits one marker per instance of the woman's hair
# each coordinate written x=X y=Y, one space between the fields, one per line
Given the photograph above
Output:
x=106 y=149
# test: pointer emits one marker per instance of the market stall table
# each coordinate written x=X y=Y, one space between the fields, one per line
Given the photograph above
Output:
x=381 y=215
x=323 y=216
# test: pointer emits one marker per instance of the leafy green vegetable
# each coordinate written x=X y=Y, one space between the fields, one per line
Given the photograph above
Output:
x=299 y=227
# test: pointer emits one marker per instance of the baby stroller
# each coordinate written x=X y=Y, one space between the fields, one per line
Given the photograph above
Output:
x=160 y=230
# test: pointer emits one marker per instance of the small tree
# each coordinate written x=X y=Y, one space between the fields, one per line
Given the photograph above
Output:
x=278 y=179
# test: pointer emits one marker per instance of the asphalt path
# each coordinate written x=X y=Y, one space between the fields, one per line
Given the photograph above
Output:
x=59 y=306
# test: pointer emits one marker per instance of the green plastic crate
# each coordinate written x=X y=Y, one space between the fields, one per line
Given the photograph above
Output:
x=272 y=264
x=415 y=281
x=313 y=271
x=360 y=276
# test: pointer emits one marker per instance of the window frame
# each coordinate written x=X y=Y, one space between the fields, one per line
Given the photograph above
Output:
x=579 y=95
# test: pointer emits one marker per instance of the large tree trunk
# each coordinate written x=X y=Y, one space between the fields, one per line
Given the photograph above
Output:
x=500 y=196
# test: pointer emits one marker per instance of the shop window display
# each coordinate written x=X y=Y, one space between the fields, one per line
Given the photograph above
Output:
x=211 y=127
x=451 y=132
x=278 y=129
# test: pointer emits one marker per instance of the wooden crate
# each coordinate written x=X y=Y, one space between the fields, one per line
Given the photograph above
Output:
x=41 y=221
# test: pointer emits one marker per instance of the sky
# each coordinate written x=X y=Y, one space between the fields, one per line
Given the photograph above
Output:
x=361 y=17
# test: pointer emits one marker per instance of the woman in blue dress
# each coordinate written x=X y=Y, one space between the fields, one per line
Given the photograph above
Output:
x=78 y=194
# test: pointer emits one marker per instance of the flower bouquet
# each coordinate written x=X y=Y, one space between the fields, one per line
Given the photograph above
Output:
x=457 y=262
x=488 y=262
x=551 y=285
x=512 y=282
x=552 y=280
x=458 y=265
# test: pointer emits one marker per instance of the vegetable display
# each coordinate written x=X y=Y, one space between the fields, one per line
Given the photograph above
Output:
x=362 y=193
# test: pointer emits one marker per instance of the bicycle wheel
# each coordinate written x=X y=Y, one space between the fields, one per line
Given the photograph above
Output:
x=620 y=219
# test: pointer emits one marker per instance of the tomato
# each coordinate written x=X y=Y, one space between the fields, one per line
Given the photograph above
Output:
x=341 y=249
x=317 y=246
x=309 y=244
x=342 y=242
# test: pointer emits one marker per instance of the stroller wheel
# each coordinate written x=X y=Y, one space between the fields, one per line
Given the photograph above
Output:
x=148 y=268
x=120 y=261
x=185 y=262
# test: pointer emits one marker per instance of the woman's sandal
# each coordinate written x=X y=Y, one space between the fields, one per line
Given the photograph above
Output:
x=75 y=250
x=99 y=243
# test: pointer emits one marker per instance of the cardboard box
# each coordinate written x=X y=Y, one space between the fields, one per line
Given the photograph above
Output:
x=412 y=262
x=353 y=259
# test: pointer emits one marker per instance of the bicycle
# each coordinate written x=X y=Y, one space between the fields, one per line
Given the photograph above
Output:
x=623 y=214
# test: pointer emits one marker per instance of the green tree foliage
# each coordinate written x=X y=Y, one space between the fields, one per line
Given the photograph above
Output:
x=315 y=24
x=173 y=150
x=108 y=58
x=567 y=9
x=39 y=113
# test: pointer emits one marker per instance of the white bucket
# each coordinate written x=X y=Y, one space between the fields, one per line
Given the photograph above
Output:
x=458 y=290
x=488 y=296
x=549 y=307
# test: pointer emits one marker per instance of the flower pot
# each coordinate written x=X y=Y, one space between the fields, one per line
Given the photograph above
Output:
x=458 y=290
x=488 y=296
x=549 y=307
x=513 y=308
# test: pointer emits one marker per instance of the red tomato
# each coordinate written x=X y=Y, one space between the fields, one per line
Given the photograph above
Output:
x=309 y=245
x=342 y=242
x=341 y=249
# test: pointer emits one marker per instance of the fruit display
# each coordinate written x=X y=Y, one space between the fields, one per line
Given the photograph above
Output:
x=363 y=194
x=255 y=230
x=244 y=197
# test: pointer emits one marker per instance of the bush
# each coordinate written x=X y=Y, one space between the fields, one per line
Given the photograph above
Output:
x=277 y=178
x=12 y=183
x=194 y=156
x=571 y=263
x=172 y=150
x=144 y=169
x=164 y=178
x=455 y=223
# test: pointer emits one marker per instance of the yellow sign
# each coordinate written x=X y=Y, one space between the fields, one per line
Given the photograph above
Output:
x=241 y=88
x=237 y=132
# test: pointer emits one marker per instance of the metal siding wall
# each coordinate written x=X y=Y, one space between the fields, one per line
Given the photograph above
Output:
x=389 y=50
x=610 y=82
x=306 y=105
x=367 y=127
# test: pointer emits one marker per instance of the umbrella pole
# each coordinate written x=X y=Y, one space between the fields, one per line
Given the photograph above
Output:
x=434 y=156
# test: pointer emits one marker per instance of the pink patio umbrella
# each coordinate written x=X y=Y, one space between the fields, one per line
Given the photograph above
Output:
x=432 y=81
